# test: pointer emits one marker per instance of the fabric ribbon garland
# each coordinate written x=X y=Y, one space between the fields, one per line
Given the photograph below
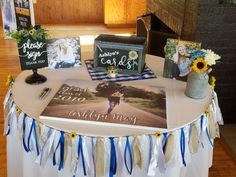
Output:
x=137 y=152
x=33 y=129
x=209 y=138
x=26 y=127
x=182 y=146
x=164 y=141
x=201 y=128
x=99 y=157
x=80 y=151
x=45 y=146
x=24 y=132
x=61 y=144
x=128 y=148
x=113 y=162
x=8 y=118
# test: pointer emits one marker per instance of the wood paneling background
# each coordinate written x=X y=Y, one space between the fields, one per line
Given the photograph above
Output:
x=123 y=11
x=68 y=12
x=110 y=12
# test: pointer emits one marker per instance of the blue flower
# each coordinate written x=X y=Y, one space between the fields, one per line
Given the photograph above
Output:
x=194 y=54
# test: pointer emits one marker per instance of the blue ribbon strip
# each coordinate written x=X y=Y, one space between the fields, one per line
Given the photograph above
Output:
x=182 y=145
x=80 y=150
x=201 y=123
x=93 y=156
x=113 y=162
x=24 y=125
x=209 y=138
x=61 y=144
x=127 y=147
x=33 y=128
x=201 y=126
x=164 y=141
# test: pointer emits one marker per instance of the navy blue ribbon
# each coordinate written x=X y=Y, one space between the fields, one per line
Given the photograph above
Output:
x=24 y=126
x=113 y=162
x=80 y=151
x=164 y=141
x=201 y=123
x=209 y=138
x=93 y=156
x=33 y=128
x=8 y=131
x=201 y=126
x=128 y=148
x=182 y=145
x=61 y=143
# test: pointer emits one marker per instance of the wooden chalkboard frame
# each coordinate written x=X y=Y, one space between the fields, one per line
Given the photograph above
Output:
x=139 y=47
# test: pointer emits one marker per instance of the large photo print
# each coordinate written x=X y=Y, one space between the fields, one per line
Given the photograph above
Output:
x=110 y=102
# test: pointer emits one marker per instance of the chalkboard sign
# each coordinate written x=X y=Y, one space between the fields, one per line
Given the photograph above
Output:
x=32 y=53
x=122 y=52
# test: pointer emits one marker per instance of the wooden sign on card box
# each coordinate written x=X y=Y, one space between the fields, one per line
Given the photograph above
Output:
x=126 y=53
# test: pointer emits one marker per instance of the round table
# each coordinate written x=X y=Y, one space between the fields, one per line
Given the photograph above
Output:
x=181 y=112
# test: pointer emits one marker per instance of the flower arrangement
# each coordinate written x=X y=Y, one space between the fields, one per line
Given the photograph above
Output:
x=202 y=60
x=36 y=32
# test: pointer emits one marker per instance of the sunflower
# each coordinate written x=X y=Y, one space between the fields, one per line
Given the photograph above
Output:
x=31 y=32
x=212 y=82
x=133 y=55
x=73 y=135
x=10 y=79
x=158 y=134
x=18 y=110
x=207 y=112
x=112 y=72
x=199 y=65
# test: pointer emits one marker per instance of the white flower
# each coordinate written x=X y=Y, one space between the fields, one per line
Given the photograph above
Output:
x=211 y=57
x=133 y=55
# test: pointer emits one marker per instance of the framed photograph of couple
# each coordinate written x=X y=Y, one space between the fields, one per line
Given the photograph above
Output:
x=177 y=58
x=63 y=53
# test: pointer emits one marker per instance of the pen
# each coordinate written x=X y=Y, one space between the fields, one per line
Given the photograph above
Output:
x=45 y=92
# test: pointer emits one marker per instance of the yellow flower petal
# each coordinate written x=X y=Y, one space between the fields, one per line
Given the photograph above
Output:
x=158 y=134
x=73 y=135
x=31 y=32
x=207 y=112
x=199 y=65
x=18 y=110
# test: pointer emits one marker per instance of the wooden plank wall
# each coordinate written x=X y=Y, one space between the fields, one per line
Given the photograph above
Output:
x=179 y=15
x=123 y=11
x=68 y=12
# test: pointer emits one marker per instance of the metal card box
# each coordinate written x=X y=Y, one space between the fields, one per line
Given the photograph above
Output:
x=126 y=53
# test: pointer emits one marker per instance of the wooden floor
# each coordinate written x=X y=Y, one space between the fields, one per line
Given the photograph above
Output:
x=224 y=163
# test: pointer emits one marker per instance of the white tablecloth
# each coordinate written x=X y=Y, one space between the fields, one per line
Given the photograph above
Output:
x=181 y=111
